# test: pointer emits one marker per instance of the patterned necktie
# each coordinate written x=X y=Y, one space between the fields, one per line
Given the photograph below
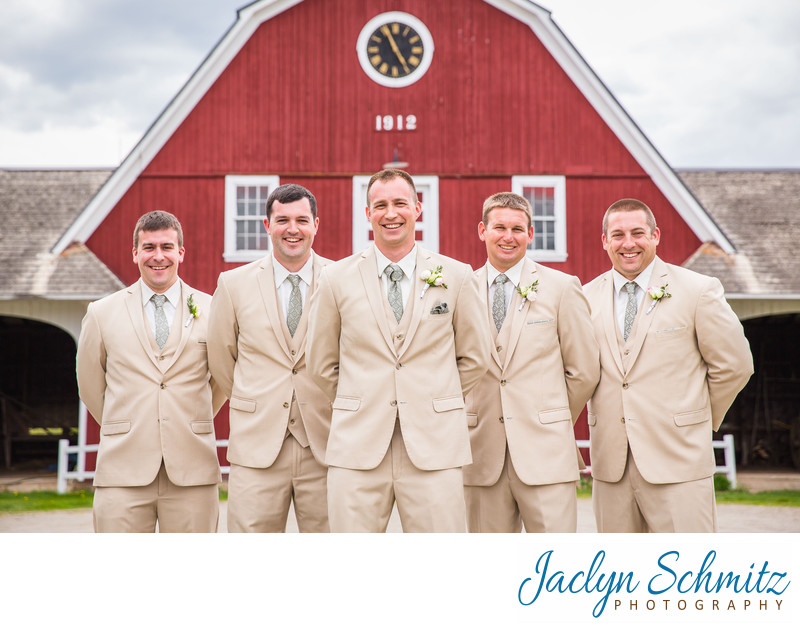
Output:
x=162 y=328
x=630 y=308
x=394 y=274
x=499 y=301
x=295 y=309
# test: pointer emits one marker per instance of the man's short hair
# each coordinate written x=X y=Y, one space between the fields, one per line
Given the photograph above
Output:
x=288 y=193
x=392 y=174
x=507 y=200
x=630 y=205
x=157 y=220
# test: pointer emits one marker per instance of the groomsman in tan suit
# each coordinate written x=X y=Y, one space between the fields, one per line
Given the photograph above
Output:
x=545 y=365
x=279 y=419
x=143 y=375
x=673 y=358
x=396 y=340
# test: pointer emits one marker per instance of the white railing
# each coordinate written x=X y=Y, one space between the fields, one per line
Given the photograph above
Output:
x=65 y=449
x=726 y=444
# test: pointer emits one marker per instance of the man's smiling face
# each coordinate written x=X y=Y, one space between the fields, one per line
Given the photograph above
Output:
x=630 y=244
x=158 y=257
x=393 y=212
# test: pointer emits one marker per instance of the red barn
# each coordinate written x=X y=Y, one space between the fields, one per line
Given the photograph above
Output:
x=471 y=97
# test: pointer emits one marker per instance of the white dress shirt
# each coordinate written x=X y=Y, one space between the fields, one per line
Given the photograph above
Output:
x=621 y=296
x=513 y=274
x=284 y=285
x=171 y=305
x=408 y=264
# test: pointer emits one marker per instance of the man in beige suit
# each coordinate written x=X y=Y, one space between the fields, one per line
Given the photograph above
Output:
x=279 y=418
x=143 y=375
x=673 y=357
x=396 y=340
x=545 y=366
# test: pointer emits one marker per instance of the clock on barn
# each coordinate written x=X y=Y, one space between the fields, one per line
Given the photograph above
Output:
x=395 y=49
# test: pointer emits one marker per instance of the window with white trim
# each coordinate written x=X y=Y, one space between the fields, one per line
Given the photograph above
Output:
x=246 y=239
x=547 y=195
x=427 y=228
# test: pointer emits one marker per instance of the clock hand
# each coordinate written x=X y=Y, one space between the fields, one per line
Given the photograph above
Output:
x=385 y=30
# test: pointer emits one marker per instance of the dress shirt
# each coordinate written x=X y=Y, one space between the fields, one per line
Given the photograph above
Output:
x=284 y=286
x=171 y=305
x=408 y=264
x=621 y=296
x=513 y=274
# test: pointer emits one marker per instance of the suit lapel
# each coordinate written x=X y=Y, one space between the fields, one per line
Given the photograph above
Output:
x=133 y=302
x=302 y=326
x=483 y=292
x=417 y=304
x=269 y=295
x=181 y=320
x=659 y=277
x=368 y=267
x=518 y=316
x=606 y=290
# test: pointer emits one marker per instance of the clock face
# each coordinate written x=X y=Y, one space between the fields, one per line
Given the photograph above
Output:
x=395 y=49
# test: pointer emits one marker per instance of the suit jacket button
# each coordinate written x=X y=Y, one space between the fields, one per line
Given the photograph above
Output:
x=294 y=371
x=399 y=366
x=293 y=352
x=285 y=404
x=392 y=403
x=161 y=359
x=625 y=386
x=499 y=348
x=399 y=336
x=291 y=421
x=622 y=420
x=163 y=386
x=502 y=382
x=501 y=420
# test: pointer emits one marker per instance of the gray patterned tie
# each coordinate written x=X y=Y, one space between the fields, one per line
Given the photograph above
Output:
x=499 y=301
x=394 y=275
x=630 y=308
x=162 y=328
x=295 y=309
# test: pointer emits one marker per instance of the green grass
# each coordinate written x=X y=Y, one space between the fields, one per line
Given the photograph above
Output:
x=20 y=502
x=726 y=495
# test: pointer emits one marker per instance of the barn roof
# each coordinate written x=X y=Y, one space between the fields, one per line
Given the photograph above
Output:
x=36 y=207
x=759 y=211
x=539 y=19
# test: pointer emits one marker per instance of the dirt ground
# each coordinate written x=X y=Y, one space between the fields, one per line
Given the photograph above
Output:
x=732 y=518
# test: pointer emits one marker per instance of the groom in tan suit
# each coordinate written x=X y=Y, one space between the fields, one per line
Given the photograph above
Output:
x=396 y=339
x=143 y=375
x=279 y=418
x=545 y=365
x=673 y=357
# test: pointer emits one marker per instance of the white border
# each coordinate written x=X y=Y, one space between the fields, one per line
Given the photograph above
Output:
x=232 y=182
x=559 y=183
x=405 y=18
x=428 y=184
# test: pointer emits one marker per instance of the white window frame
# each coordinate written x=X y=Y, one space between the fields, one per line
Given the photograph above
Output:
x=232 y=182
x=559 y=185
x=427 y=184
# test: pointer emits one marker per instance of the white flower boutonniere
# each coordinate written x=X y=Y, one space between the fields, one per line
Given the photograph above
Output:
x=528 y=293
x=194 y=310
x=657 y=293
x=432 y=278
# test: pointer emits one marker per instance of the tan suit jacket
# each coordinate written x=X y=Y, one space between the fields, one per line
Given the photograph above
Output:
x=259 y=366
x=373 y=379
x=152 y=405
x=671 y=383
x=537 y=386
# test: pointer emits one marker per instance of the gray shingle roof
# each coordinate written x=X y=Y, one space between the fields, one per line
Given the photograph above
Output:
x=36 y=207
x=759 y=211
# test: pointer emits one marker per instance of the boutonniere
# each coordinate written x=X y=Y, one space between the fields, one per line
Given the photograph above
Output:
x=432 y=278
x=528 y=293
x=194 y=310
x=657 y=293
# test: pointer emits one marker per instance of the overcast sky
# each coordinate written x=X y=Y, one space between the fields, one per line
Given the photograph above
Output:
x=712 y=83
